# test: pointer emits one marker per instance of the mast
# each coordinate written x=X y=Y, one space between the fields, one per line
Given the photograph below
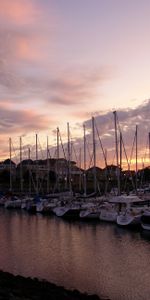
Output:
x=57 y=161
x=117 y=155
x=84 y=173
x=21 y=177
x=94 y=153
x=80 y=176
x=69 y=155
x=47 y=166
x=136 y=158
x=29 y=157
x=120 y=150
x=36 y=153
x=85 y=187
x=10 y=167
x=149 y=147
x=120 y=159
x=106 y=171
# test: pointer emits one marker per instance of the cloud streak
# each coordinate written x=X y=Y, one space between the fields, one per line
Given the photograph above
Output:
x=76 y=87
x=23 y=40
x=21 y=122
x=25 y=59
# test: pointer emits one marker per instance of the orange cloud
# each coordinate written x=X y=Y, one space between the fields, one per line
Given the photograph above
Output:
x=6 y=104
x=82 y=115
x=26 y=50
x=22 y=121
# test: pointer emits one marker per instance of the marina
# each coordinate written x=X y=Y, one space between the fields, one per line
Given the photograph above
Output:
x=124 y=210
x=75 y=150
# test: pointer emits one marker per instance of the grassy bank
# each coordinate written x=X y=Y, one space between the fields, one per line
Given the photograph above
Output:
x=20 y=288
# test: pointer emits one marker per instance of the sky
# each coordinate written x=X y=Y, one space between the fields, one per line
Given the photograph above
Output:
x=66 y=61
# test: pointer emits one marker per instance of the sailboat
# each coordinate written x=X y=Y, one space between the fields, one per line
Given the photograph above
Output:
x=90 y=213
x=145 y=220
x=68 y=208
x=131 y=210
x=68 y=211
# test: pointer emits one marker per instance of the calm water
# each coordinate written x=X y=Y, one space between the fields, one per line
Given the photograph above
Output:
x=92 y=257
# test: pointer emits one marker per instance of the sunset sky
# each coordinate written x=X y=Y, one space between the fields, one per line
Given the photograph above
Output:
x=68 y=60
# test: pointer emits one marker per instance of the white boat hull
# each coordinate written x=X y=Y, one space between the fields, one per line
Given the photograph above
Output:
x=87 y=214
x=13 y=204
x=108 y=216
x=145 y=221
x=128 y=220
x=145 y=226
x=67 y=212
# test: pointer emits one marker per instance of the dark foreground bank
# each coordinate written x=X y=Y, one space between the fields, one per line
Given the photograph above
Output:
x=20 y=288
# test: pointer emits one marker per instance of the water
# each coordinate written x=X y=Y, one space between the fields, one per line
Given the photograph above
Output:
x=91 y=257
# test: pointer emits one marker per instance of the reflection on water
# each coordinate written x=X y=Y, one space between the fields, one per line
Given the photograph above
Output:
x=145 y=234
x=93 y=257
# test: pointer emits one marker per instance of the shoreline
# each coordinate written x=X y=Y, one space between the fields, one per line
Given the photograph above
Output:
x=16 y=287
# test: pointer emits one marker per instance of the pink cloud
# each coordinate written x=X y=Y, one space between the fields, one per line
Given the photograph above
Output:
x=24 y=46
x=20 y=12
x=25 y=25
x=81 y=115
x=28 y=48
x=76 y=87
x=24 y=121
x=6 y=104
